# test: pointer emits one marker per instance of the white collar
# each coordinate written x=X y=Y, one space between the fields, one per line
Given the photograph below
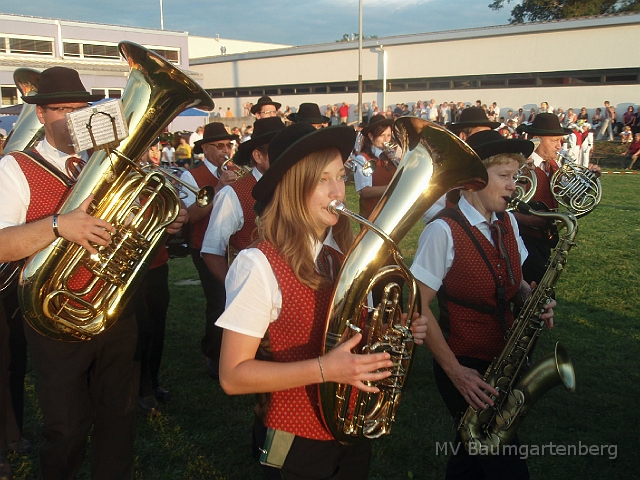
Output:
x=537 y=159
x=55 y=156
x=212 y=168
x=329 y=241
x=474 y=217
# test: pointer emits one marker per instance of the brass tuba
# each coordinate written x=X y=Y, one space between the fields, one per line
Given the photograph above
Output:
x=64 y=292
x=521 y=386
x=433 y=162
x=26 y=132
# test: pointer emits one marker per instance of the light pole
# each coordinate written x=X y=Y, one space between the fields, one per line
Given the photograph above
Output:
x=161 y=17
x=360 y=65
x=384 y=79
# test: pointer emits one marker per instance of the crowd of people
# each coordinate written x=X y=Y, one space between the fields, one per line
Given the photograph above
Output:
x=267 y=280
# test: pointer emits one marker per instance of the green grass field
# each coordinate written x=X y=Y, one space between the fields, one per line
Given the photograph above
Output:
x=204 y=434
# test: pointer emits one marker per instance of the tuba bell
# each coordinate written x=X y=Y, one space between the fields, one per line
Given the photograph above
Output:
x=64 y=292
x=434 y=161
x=26 y=132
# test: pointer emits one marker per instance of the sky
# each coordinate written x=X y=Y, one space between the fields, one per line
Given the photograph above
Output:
x=290 y=22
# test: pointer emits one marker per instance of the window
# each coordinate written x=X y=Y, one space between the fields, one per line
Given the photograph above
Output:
x=469 y=83
x=9 y=96
x=172 y=56
x=522 y=82
x=440 y=85
x=3 y=45
x=287 y=91
x=101 y=51
x=31 y=46
x=621 y=79
x=72 y=49
x=490 y=83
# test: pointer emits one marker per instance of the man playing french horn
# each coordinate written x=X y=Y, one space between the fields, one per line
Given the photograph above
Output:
x=536 y=233
x=80 y=384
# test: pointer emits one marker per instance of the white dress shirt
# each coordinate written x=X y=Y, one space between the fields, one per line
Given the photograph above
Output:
x=360 y=179
x=190 y=199
x=254 y=298
x=226 y=219
x=435 y=252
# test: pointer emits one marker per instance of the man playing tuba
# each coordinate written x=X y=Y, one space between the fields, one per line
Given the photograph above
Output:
x=80 y=384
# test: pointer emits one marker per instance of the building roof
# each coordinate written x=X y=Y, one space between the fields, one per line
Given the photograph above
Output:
x=448 y=35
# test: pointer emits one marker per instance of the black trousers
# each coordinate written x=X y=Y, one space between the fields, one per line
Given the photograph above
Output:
x=462 y=465
x=215 y=296
x=536 y=263
x=13 y=368
x=85 y=384
x=151 y=315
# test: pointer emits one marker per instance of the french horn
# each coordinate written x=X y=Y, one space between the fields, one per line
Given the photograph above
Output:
x=434 y=161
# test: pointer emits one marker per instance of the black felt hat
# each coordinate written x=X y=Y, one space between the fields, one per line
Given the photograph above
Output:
x=264 y=129
x=376 y=121
x=545 y=125
x=291 y=145
x=60 y=85
x=490 y=142
x=310 y=113
x=472 y=117
x=213 y=132
x=264 y=100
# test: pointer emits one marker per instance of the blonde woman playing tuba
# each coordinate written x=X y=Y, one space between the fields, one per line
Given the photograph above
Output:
x=278 y=296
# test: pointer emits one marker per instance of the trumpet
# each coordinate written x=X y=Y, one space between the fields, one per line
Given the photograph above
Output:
x=367 y=166
x=240 y=170
x=389 y=152
x=204 y=195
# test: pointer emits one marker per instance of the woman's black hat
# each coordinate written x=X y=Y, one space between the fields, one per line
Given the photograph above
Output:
x=264 y=129
x=490 y=142
x=60 y=85
x=264 y=100
x=376 y=121
x=310 y=113
x=472 y=117
x=213 y=132
x=545 y=125
x=291 y=145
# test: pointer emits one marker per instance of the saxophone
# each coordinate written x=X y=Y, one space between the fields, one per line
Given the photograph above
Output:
x=64 y=292
x=434 y=161
x=519 y=388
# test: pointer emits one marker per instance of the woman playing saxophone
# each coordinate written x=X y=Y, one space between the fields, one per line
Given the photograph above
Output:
x=470 y=257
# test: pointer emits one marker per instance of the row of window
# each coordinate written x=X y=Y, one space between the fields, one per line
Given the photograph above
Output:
x=622 y=76
x=43 y=46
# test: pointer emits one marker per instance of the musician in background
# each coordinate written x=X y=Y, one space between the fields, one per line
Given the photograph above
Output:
x=472 y=120
x=470 y=258
x=310 y=113
x=80 y=385
x=232 y=223
x=217 y=147
x=375 y=135
x=278 y=297
x=537 y=234
x=265 y=107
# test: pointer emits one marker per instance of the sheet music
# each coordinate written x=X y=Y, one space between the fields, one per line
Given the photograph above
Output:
x=102 y=118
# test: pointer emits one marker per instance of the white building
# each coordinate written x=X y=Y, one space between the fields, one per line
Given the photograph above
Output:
x=569 y=63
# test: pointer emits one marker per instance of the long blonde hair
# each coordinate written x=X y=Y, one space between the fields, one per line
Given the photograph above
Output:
x=286 y=222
